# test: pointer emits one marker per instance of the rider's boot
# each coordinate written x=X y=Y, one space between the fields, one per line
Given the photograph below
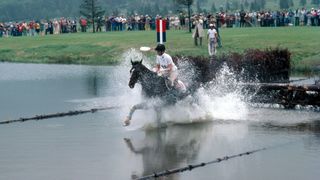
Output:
x=179 y=85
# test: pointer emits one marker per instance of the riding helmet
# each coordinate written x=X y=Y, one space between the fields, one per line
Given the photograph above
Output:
x=160 y=47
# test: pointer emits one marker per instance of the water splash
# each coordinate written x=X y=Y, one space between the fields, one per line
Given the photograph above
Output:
x=221 y=99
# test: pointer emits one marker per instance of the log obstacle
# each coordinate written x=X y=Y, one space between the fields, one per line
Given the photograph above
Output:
x=288 y=95
x=271 y=67
x=57 y=115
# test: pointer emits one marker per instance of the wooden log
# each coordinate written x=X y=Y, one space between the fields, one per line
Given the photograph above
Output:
x=288 y=95
x=281 y=86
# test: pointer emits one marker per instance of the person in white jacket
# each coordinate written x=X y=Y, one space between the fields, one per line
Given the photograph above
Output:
x=198 y=32
x=212 y=40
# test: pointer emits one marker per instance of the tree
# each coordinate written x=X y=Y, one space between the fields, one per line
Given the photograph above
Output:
x=235 y=5
x=241 y=7
x=291 y=4
x=198 y=4
x=91 y=9
x=255 y=5
x=228 y=5
x=262 y=4
x=315 y=2
x=213 y=7
x=303 y=2
x=284 y=4
x=246 y=3
x=187 y=3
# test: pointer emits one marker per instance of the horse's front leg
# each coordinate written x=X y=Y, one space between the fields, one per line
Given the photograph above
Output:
x=143 y=105
x=158 y=114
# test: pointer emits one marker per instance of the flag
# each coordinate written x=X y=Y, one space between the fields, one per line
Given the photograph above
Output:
x=161 y=31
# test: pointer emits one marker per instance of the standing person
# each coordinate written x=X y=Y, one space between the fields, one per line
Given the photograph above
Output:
x=212 y=40
x=99 y=24
x=1 y=30
x=198 y=32
x=218 y=24
x=37 y=27
x=83 y=24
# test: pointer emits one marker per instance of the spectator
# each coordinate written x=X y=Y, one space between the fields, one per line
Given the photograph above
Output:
x=83 y=24
x=212 y=39
x=198 y=32
x=1 y=30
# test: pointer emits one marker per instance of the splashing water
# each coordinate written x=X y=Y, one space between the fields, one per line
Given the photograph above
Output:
x=220 y=99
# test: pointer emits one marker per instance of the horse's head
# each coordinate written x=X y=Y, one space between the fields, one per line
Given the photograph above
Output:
x=135 y=72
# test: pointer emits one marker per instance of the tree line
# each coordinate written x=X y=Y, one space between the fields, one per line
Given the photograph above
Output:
x=17 y=10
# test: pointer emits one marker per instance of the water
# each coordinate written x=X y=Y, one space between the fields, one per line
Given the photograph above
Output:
x=96 y=146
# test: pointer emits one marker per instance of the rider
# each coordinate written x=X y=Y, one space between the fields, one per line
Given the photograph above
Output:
x=166 y=67
x=164 y=64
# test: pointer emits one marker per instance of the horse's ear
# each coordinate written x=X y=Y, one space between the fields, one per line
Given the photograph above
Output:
x=141 y=61
x=131 y=61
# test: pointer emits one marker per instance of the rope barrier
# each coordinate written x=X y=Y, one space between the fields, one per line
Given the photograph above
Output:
x=191 y=167
x=48 y=116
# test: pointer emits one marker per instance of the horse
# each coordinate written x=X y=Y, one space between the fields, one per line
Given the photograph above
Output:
x=153 y=86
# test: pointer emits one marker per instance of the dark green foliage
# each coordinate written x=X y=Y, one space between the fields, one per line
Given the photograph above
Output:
x=291 y=4
x=199 y=10
x=303 y=2
x=185 y=2
x=246 y=3
x=315 y=2
x=37 y=9
x=256 y=5
x=17 y=10
x=228 y=6
x=284 y=4
x=91 y=9
x=235 y=5
x=213 y=7
x=241 y=7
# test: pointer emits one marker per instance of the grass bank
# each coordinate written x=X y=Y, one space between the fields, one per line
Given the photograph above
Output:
x=107 y=48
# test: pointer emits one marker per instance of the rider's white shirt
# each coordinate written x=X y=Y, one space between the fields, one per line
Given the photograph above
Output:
x=164 y=60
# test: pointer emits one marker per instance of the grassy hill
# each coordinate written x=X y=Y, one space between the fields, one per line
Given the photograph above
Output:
x=108 y=48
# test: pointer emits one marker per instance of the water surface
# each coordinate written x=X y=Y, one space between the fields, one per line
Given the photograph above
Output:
x=96 y=146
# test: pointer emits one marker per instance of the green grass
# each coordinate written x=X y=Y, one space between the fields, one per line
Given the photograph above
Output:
x=107 y=48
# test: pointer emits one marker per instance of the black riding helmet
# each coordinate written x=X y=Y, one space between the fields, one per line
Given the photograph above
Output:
x=160 y=47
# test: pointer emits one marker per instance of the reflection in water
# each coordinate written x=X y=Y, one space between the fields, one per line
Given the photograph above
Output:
x=170 y=147
x=95 y=82
x=92 y=81
x=310 y=126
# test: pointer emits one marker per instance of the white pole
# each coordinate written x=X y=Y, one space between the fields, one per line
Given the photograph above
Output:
x=161 y=32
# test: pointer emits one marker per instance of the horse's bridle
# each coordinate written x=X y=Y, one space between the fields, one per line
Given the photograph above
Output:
x=131 y=70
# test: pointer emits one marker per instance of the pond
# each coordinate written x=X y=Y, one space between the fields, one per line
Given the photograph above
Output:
x=97 y=146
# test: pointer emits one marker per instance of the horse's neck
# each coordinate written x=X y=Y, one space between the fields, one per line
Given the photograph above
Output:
x=151 y=83
x=148 y=74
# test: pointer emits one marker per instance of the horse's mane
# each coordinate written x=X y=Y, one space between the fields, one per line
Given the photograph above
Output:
x=143 y=68
x=154 y=85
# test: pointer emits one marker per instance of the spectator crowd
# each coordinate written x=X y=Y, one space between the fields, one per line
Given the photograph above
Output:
x=298 y=17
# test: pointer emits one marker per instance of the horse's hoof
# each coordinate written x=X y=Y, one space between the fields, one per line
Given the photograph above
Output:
x=126 y=122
